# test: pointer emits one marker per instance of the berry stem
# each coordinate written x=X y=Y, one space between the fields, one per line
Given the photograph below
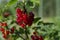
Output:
x=20 y=36
x=26 y=34
x=25 y=11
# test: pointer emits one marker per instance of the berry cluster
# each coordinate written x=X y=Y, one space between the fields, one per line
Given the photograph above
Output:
x=6 y=14
x=23 y=18
x=5 y=31
x=36 y=37
x=3 y=24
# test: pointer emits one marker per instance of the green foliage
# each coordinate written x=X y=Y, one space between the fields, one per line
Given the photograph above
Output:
x=36 y=19
x=21 y=31
x=11 y=2
x=38 y=1
x=50 y=31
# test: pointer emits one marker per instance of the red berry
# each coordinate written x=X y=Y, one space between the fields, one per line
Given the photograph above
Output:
x=41 y=38
x=25 y=17
x=35 y=37
x=23 y=25
x=30 y=23
x=12 y=30
x=2 y=29
x=32 y=37
x=30 y=20
x=19 y=11
x=19 y=20
x=31 y=14
x=5 y=34
x=4 y=24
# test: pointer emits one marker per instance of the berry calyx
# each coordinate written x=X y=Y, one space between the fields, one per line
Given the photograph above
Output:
x=34 y=33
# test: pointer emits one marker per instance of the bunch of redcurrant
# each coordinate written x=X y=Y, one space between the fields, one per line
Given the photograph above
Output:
x=23 y=18
x=5 y=31
x=35 y=36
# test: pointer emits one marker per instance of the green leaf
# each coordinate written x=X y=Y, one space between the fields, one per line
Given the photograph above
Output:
x=0 y=17
x=29 y=3
x=39 y=22
x=21 y=30
x=38 y=1
x=36 y=28
x=11 y=3
x=1 y=37
x=36 y=19
x=19 y=39
x=48 y=23
x=27 y=30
